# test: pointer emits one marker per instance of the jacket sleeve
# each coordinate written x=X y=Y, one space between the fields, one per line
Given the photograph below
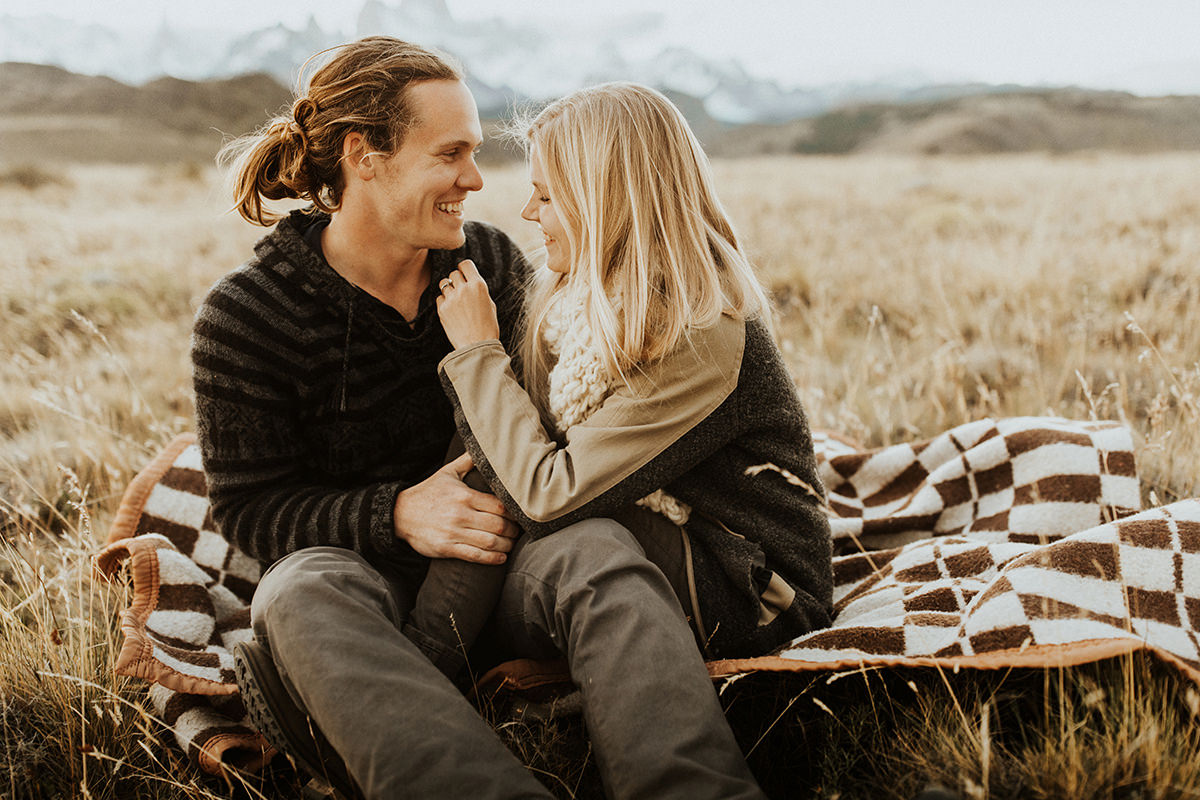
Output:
x=263 y=498
x=635 y=442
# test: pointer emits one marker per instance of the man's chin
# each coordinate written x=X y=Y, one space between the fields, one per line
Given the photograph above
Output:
x=445 y=239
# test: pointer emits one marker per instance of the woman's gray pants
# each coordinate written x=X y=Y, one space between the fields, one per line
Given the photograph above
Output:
x=333 y=625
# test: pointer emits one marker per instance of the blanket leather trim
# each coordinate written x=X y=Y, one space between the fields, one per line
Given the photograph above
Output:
x=134 y=500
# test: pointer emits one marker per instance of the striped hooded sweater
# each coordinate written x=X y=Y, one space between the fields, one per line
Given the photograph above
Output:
x=316 y=403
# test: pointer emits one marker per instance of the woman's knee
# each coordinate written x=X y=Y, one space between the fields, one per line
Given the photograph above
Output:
x=580 y=558
x=592 y=541
x=595 y=567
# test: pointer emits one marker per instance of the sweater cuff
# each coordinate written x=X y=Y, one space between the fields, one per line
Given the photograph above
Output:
x=383 y=518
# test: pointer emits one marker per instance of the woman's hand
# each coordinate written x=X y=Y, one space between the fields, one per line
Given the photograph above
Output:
x=466 y=309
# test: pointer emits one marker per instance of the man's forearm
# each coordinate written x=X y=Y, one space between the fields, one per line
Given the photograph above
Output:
x=268 y=522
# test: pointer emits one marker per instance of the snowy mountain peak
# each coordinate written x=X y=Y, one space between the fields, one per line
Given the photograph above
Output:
x=506 y=61
x=431 y=12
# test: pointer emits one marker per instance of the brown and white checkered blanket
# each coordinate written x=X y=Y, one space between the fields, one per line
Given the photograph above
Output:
x=997 y=543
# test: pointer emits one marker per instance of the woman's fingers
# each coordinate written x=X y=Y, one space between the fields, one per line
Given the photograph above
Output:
x=466 y=268
x=466 y=273
x=465 y=308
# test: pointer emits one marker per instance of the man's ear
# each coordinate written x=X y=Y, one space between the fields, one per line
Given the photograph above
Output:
x=357 y=157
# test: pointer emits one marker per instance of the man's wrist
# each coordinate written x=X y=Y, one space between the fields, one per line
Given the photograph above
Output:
x=398 y=531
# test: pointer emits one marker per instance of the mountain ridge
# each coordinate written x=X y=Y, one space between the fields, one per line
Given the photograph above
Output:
x=507 y=62
x=46 y=110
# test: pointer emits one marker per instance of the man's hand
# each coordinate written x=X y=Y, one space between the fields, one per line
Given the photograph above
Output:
x=467 y=311
x=442 y=517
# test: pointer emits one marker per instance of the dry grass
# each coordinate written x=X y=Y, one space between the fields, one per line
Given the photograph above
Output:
x=913 y=294
x=1117 y=729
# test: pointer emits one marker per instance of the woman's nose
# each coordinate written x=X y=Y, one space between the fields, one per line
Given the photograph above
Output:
x=528 y=212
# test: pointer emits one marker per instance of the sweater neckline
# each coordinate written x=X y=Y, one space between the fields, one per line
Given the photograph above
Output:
x=322 y=281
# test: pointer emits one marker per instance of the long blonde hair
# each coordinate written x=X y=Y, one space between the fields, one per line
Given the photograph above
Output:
x=298 y=154
x=652 y=250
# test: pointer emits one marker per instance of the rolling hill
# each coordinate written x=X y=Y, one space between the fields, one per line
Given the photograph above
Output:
x=49 y=112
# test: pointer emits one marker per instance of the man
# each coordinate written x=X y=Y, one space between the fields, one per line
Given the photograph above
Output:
x=324 y=428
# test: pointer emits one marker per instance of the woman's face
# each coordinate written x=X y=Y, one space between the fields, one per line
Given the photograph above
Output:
x=540 y=209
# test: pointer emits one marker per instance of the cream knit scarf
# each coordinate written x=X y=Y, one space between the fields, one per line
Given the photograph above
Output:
x=579 y=383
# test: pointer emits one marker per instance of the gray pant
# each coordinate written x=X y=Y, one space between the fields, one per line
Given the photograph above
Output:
x=332 y=623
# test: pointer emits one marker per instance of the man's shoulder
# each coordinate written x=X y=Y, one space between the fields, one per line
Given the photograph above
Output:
x=249 y=284
x=270 y=269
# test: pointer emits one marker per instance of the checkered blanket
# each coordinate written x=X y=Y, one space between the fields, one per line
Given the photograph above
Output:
x=997 y=543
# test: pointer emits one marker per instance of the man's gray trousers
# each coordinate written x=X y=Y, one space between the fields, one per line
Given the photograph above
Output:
x=333 y=625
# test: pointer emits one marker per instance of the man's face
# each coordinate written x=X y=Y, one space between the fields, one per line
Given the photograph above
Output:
x=419 y=189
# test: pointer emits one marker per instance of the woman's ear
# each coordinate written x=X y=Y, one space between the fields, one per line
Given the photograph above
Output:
x=357 y=157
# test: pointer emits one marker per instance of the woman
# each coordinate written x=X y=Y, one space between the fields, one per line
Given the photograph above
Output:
x=653 y=393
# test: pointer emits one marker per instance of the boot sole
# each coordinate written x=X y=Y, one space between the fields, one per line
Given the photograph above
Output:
x=271 y=711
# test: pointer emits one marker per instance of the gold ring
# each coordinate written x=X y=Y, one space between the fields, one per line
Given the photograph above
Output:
x=444 y=283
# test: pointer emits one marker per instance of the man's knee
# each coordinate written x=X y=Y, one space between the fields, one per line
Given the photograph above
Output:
x=296 y=592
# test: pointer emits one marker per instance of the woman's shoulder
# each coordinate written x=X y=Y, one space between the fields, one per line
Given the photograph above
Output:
x=732 y=347
x=720 y=345
x=706 y=360
x=743 y=352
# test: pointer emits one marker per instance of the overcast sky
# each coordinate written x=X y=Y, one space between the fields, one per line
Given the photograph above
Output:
x=1116 y=43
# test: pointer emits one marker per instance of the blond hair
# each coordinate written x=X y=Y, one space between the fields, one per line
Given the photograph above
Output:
x=298 y=154
x=651 y=248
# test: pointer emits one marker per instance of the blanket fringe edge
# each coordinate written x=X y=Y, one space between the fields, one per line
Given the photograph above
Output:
x=1035 y=656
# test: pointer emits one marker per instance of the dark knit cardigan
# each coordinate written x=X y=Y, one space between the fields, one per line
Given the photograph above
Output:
x=316 y=403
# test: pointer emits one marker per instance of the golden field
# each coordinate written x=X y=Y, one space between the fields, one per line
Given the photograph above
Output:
x=913 y=293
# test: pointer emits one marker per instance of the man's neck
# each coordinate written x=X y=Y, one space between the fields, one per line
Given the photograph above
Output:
x=391 y=271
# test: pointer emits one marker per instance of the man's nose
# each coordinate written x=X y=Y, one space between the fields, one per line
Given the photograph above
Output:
x=471 y=179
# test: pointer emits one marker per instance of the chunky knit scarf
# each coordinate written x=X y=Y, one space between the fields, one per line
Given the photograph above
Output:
x=579 y=382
